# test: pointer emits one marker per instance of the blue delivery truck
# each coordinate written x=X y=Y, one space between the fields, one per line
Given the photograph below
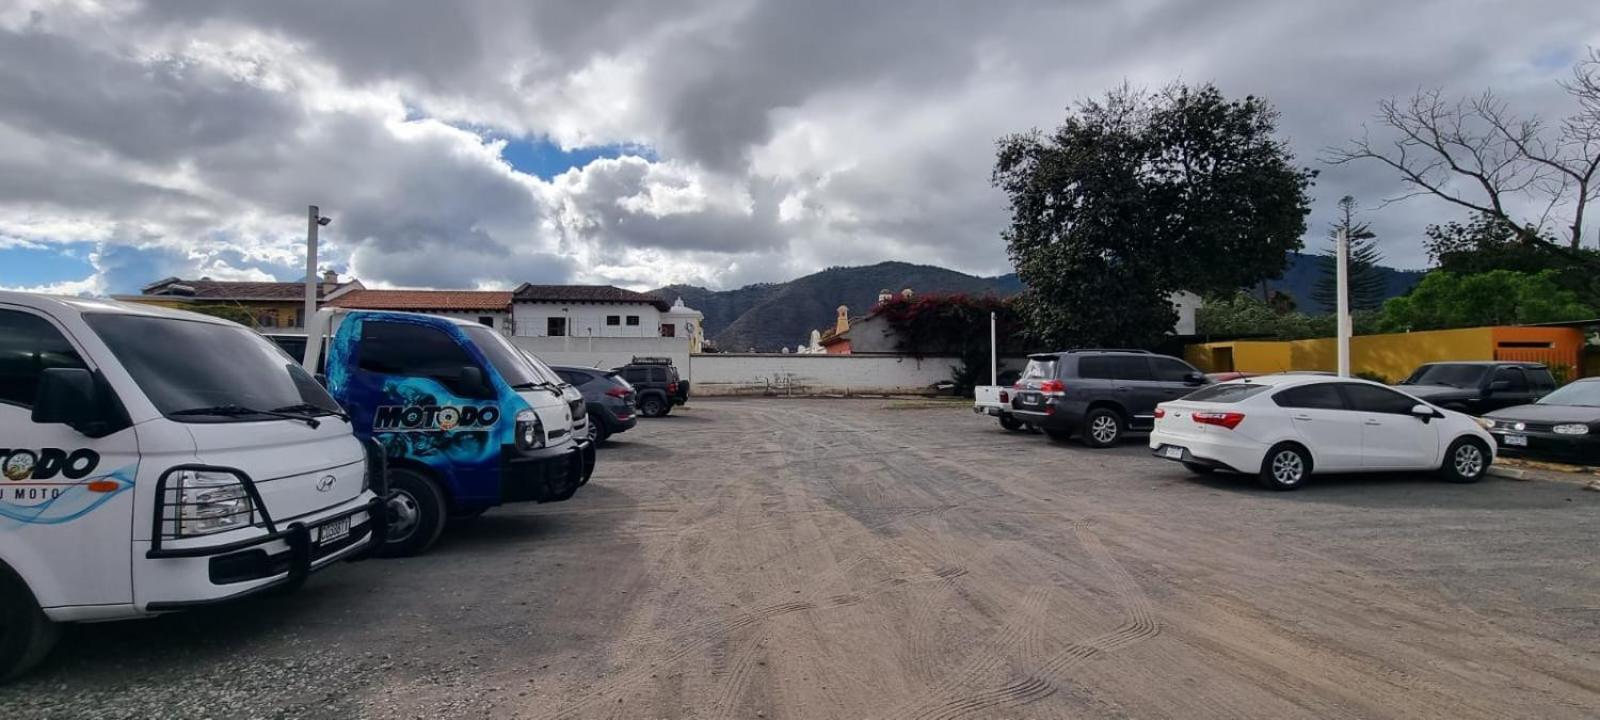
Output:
x=465 y=423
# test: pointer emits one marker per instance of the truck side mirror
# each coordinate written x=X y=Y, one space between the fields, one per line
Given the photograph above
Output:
x=67 y=396
x=1500 y=386
x=472 y=380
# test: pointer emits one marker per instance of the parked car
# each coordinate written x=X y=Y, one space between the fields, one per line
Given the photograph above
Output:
x=1283 y=428
x=610 y=399
x=1101 y=394
x=137 y=445
x=1562 y=426
x=657 y=384
x=464 y=420
x=1476 y=388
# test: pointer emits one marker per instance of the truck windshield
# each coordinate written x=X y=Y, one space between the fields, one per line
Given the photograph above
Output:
x=1450 y=375
x=1039 y=369
x=507 y=359
x=196 y=371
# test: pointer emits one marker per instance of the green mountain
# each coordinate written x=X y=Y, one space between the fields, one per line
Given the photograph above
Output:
x=770 y=316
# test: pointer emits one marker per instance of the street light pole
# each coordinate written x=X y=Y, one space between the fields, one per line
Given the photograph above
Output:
x=994 y=354
x=313 y=215
x=1342 y=250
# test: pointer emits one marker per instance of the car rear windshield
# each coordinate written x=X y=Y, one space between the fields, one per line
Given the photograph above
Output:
x=1447 y=374
x=1226 y=393
x=1585 y=394
x=1039 y=369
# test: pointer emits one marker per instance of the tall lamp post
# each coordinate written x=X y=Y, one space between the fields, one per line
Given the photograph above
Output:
x=314 y=220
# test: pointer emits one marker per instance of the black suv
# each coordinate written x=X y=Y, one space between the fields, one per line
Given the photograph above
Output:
x=657 y=384
x=1479 y=387
x=1099 y=393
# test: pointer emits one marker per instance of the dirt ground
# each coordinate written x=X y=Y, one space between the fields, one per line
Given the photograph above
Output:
x=860 y=559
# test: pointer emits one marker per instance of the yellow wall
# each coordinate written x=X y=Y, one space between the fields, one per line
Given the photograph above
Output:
x=1393 y=356
x=284 y=310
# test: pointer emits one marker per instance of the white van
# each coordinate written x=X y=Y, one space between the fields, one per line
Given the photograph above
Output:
x=153 y=460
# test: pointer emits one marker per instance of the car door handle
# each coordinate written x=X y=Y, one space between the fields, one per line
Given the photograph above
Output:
x=1374 y=423
x=1302 y=418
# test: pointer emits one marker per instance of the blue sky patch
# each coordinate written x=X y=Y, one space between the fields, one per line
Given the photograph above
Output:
x=53 y=263
x=544 y=159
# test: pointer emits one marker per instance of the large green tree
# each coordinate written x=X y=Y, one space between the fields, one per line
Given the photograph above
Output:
x=1138 y=195
x=1368 y=287
x=1498 y=297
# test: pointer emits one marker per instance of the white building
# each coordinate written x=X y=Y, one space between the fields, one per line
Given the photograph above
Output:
x=582 y=311
x=685 y=322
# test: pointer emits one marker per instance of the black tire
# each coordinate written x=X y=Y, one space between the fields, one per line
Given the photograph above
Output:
x=416 y=514
x=1103 y=428
x=1199 y=469
x=26 y=635
x=1010 y=422
x=1286 y=466
x=652 y=406
x=596 y=430
x=1058 y=435
x=1466 y=461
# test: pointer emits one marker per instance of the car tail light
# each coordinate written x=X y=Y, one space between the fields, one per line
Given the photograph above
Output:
x=1161 y=412
x=672 y=388
x=1052 y=387
x=1229 y=420
x=617 y=392
x=1005 y=397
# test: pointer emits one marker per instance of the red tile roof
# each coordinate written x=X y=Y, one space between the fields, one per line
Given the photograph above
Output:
x=232 y=290
x=499 y=300
x=586 y=293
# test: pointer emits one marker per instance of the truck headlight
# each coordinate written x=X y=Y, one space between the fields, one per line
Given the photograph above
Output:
x=530 y=430
x=202 y=502
x=1572 y=429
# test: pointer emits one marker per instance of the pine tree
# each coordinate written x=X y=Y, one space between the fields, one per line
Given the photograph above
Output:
x=1367 y=285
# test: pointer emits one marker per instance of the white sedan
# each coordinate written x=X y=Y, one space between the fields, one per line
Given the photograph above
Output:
x=1283 y=428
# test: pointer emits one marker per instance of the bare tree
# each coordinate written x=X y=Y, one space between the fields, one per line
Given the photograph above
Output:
x=1479 y=154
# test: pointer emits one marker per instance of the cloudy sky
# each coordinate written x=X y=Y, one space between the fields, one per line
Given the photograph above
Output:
x=645 y=142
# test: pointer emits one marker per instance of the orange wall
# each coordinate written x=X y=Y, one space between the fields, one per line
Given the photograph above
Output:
x=1395 y=355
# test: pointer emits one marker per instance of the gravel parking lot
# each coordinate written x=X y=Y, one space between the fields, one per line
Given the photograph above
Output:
x=868 y=558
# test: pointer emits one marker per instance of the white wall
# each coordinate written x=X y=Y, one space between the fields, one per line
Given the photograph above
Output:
x=766 y=374
x=471 y=316
x=588 y=319
x=603 y=352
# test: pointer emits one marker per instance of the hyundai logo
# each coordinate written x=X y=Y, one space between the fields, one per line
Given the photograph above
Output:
x=326 y=483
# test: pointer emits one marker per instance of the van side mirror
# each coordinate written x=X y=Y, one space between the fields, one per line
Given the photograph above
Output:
x=67 y=396
x=472 y=380
x=1499 y=386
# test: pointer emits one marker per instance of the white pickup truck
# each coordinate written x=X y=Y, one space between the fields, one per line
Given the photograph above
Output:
x=153 y=460
x=995 y=401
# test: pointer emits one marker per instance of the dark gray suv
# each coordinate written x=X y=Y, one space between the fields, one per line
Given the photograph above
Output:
x=610 y=400
x=1099 y=394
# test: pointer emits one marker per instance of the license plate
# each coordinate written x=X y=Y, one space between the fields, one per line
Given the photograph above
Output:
x=1173 y=452
x=1030 y=399
x=1519 y=440
x=334 y=531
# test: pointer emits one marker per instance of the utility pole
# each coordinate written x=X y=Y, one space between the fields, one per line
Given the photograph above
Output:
x=1342 y=250
x=314 y=220
x=994 y=354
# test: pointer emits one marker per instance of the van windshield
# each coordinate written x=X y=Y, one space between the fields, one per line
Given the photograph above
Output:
x=507 y=359
x=196 y=371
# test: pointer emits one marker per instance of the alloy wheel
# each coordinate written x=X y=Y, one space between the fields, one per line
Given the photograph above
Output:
x=1287 y=468
x=1468 y=460
x=1104 y=429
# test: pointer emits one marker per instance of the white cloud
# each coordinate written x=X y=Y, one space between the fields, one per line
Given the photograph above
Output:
x=187 y=137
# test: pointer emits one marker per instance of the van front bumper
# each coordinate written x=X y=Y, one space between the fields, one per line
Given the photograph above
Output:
x=545 y=478
x=281 y=559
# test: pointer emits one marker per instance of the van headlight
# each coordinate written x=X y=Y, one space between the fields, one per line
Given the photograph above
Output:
x=202 y=502
x=1572 y=429
x=530 y=431
x=1485 y=423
